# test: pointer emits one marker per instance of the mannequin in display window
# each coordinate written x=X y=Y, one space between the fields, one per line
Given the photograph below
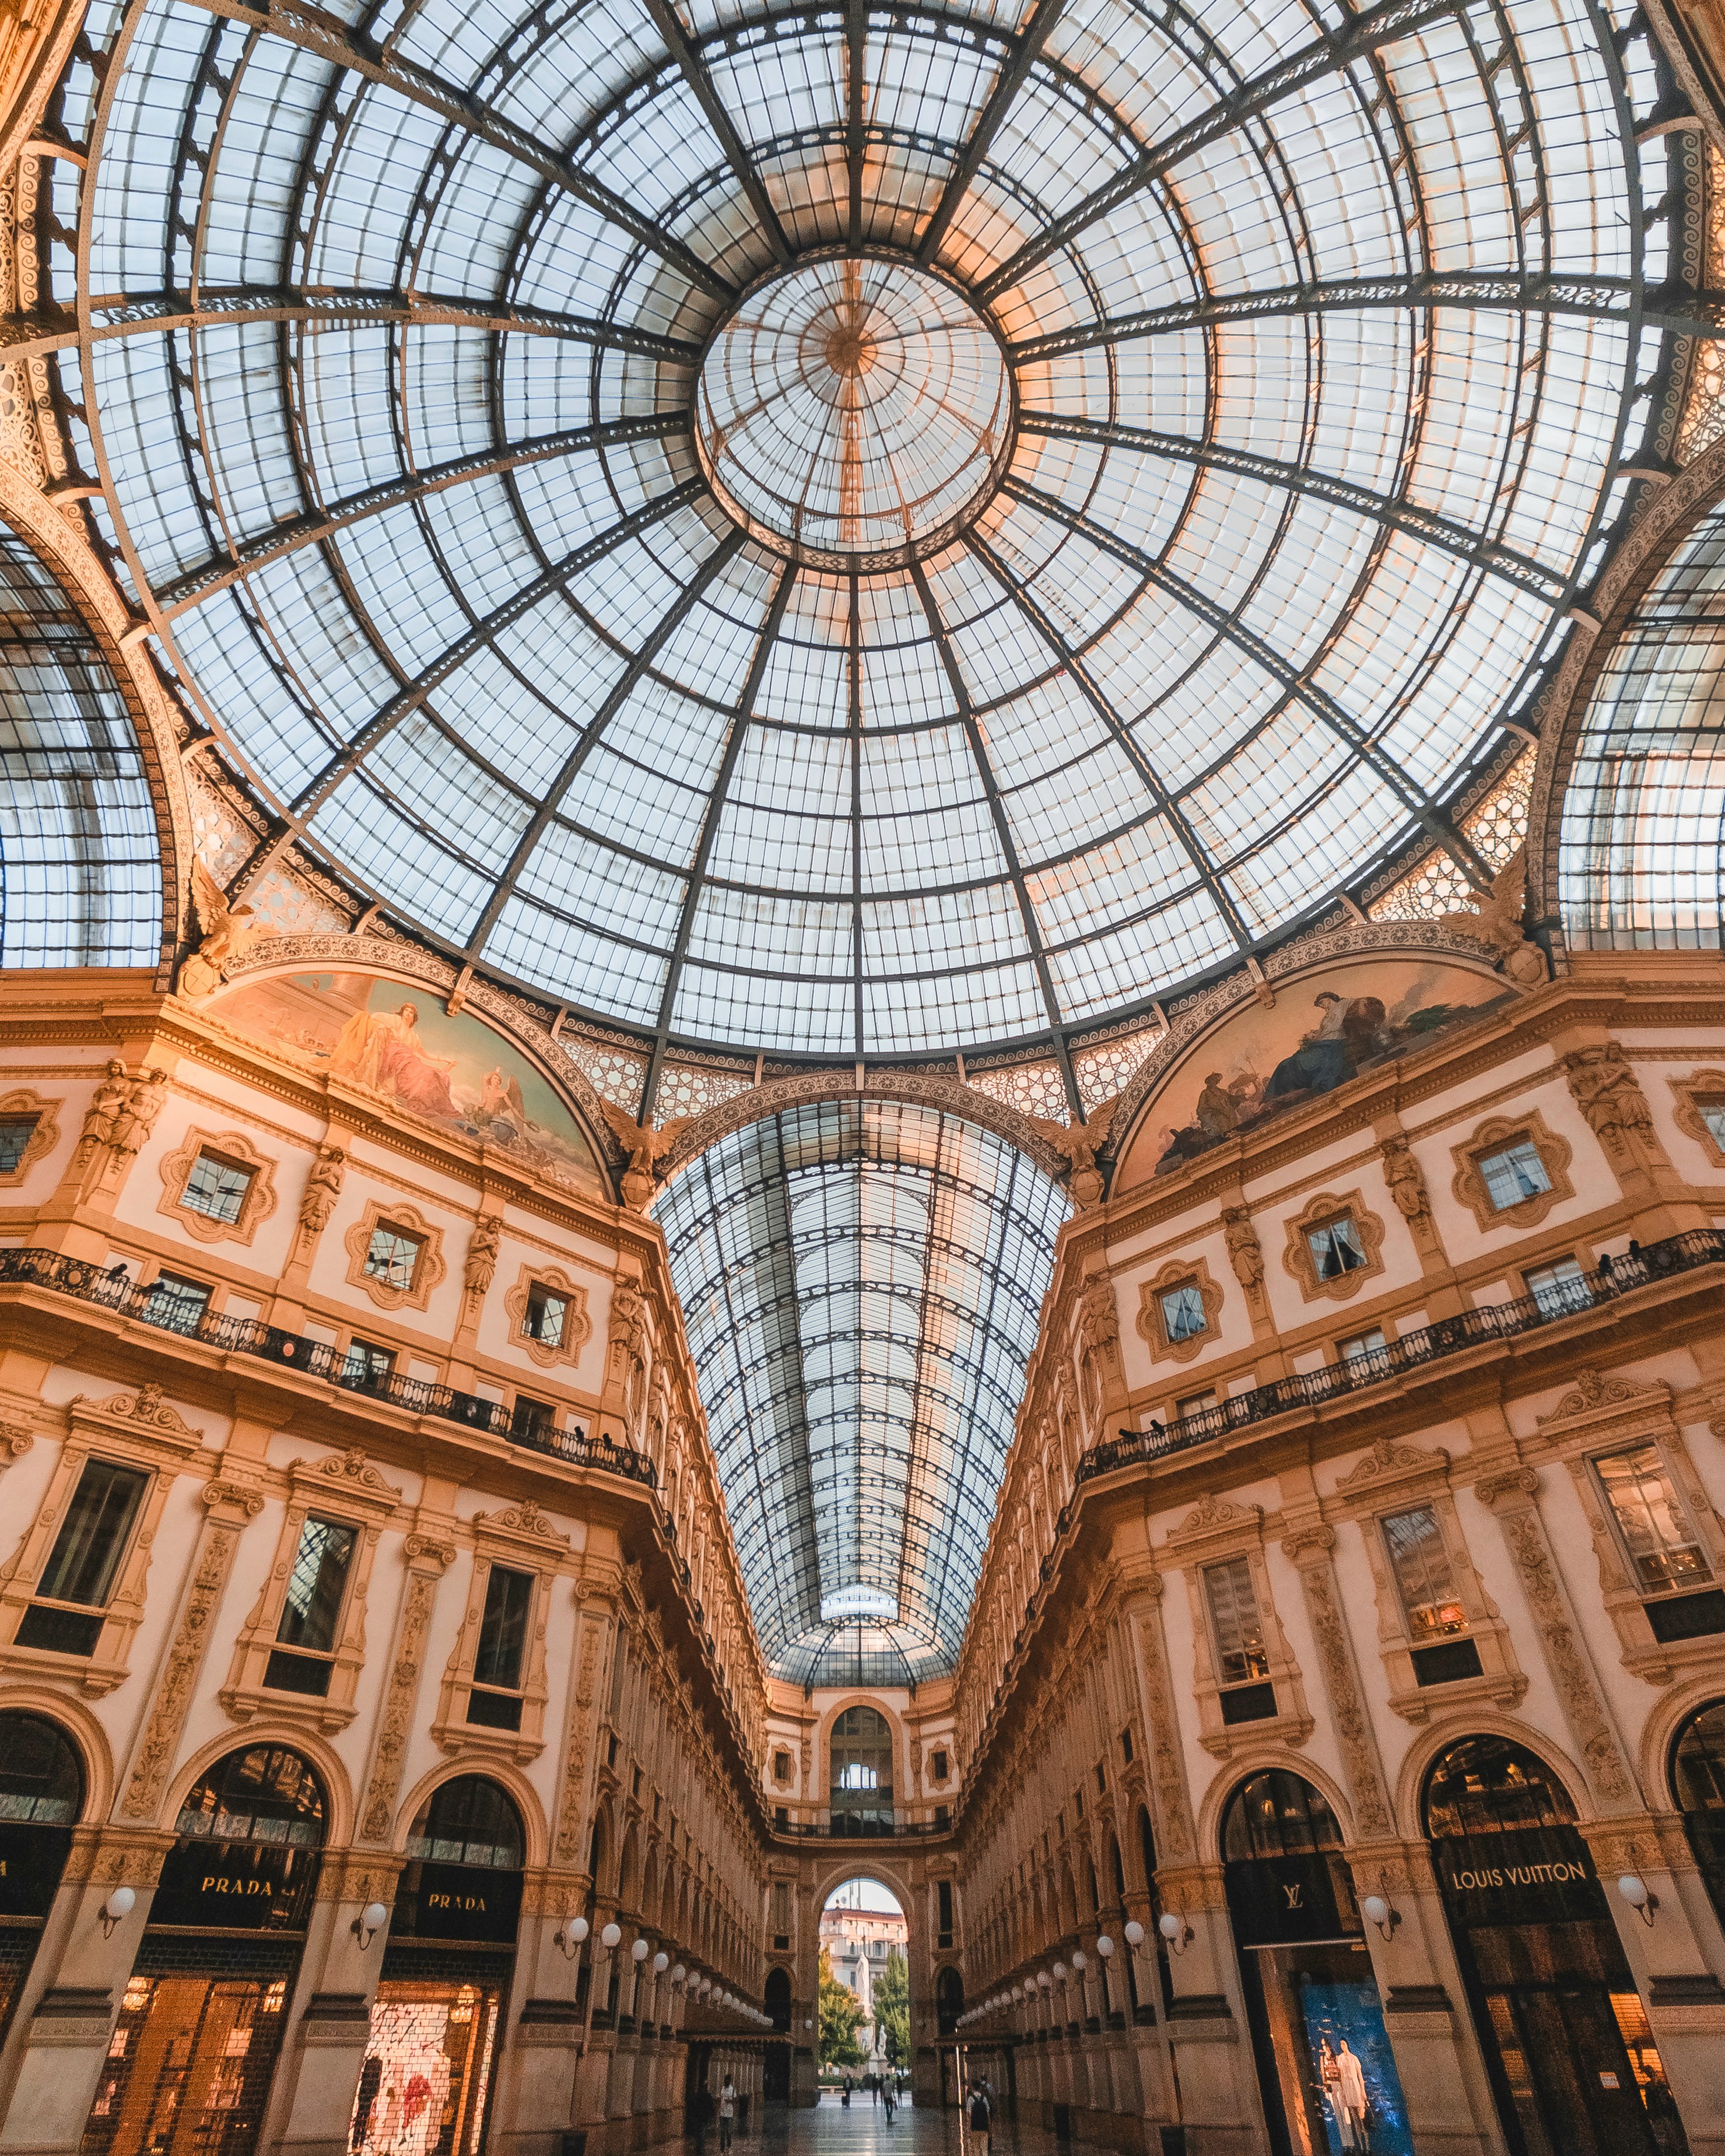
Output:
x=1345 y=2087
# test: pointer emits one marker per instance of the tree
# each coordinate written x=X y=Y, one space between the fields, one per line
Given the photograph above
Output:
x=840 y=2016
x=892 y=2007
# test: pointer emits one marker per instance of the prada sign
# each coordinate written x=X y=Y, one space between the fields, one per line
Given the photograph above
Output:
x=235 y=1887
x=461 y=1901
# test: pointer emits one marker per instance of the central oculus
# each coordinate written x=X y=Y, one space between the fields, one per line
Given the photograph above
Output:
x=853 y=412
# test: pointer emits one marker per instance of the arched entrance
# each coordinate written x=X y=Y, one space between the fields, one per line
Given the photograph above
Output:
x=201 y=2020
x=41 y=1800
x=446 y=1971
x=1324 y=2062
x=863 y=2018
x=1561 y=2024
x=776 y=2059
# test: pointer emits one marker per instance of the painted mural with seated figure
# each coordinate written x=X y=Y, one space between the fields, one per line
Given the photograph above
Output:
x=401 y=1046
x=1324 y=1028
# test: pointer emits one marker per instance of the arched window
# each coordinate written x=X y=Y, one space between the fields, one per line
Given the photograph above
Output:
x=1278 y=1814
x=249 y=1830
x=41 y=1775
x=777 y=1997
x=469 y=1820
x=41 y=1798
x=948 y=1999
x=860 y=1796
x=1486 y=1785
x=1698 y=1787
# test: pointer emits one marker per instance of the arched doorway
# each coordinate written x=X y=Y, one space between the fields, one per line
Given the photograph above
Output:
x=200 y=2025
x=1325 y=2067
x=863 y=2020
x=446 y=1971
x=41 y=1801
x=1698 y=1789
x=1565 y=2037
x=859 y=1795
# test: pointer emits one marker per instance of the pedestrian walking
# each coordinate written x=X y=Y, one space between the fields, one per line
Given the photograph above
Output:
x=874 y=2090
x=980 y=2116
x=727 y=2113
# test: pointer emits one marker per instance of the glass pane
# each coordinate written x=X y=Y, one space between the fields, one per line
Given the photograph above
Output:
x=1559 y=1287
x=1513 y=1174
x=88 y=1549
x=188 y=2066
x=392 y=1256
x=217 y=1188
x=545 y=1313
x=425 y=2079
x=1655 y=1530
x=1336 y=1247
x=1422 y=1574
x=1182 y=1312
x=503 y=1630
x=316 y=1586
x=1241 y=1656
x=16 y=1132
x=177 y=1304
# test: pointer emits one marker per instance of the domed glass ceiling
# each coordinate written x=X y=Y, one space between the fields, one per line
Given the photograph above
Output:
x=853 y=530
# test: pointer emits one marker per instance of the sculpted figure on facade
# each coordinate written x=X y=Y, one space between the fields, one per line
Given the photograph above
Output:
x=146 y=1096
x=323 y=1187
x=100 y=1116
x=226 y=933
x=1245 y=1252
x=482 y=1247
x=1407 y=1185
x=1606 y=1091
x=1078 y=1145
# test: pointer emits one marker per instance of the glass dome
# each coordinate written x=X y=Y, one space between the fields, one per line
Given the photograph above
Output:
x=857 y=531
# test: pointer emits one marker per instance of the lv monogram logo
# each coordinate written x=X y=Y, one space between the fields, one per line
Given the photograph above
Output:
x=1293 y=1894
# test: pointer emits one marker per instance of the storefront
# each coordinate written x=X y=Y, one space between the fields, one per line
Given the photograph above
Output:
x=41 y=1798
x=201 y=2020
x=425 y=2084
x=1563 y=2028
x=1324 y=2062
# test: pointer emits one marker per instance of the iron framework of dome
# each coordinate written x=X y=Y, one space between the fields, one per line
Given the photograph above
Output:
x=856 y=531
x=861 y=1281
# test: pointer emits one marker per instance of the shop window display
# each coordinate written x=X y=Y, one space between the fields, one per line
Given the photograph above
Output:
x=188 y=2065
x=426 y=2074
x=1325 y=2064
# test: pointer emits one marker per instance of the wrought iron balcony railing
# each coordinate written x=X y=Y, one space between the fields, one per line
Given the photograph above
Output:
x=1614 y=1279
x=527 y=1425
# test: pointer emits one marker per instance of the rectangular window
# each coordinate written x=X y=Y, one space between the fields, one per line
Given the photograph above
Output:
x=366 y=1365
x=16 y=1132
x=943 y=1895
x=392 y=1256
x=939 y=1764
x=1661 y=1542
x=1514 y=1172
x=545 y=1315
x=86 y=1559
x=503 y=1629
x=1424 y=1577
x=1364 y=1345
x=216 y=1189
x=1336 y=1247
x=1241 y=1657
x=1126 y=1746
x=1559 y=1287
x=312 y=1609
x=1182 y=1312
x=780 y=1766
x=179 y=1305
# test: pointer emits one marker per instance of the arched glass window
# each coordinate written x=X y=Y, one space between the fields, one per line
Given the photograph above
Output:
x=1698 y=1787
x=41 y=1775
x=469 y=1820
x=1278 y=1814
x=948 y=1999
x=861 y=1783
x=249 y=1830
x=777 y=1997
x=1485 y=1785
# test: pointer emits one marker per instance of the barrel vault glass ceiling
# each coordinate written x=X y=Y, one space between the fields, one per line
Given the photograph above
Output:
x=862 y=528
x=861 y=1280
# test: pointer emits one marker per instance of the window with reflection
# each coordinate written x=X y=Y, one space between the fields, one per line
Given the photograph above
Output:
x=1698 y=1790
x=860 y=1796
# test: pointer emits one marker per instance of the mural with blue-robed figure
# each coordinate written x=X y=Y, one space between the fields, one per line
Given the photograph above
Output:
x=1324 y=1028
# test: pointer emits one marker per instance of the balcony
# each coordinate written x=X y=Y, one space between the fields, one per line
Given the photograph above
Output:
x=1413 y=1350
x=114 y=1291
